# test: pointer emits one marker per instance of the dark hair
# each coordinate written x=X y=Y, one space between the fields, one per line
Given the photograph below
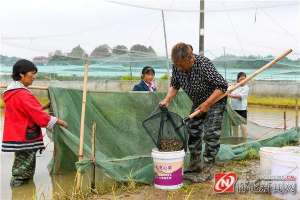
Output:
x=22 y=67
x=180 y=51
x=240 y=74
x=191 y=47
x=147 y=69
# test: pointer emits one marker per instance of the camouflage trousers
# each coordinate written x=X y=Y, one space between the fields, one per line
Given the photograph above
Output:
x=205 y=129
x=23 y=167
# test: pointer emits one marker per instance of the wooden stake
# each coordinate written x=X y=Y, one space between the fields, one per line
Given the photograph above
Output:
x=81 y=141
x=284 y=120
x=246 y=80
x=297 y=114
x=93 y=141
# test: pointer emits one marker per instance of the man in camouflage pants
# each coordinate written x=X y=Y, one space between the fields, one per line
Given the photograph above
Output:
x=208 y=129
x=199 y=79
x=23 y=167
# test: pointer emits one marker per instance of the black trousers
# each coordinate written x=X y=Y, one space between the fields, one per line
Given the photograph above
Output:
x=242 y=113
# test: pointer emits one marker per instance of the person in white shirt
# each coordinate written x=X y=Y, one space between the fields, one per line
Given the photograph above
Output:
x=239 y=101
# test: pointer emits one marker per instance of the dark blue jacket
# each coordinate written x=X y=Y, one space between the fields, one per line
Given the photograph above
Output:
x=142 y=87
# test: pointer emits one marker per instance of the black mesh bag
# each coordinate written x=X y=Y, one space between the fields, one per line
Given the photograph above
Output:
x=166 y=129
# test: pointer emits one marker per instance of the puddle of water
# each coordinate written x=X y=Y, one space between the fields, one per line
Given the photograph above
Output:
x=45 y=186
x=272 y=117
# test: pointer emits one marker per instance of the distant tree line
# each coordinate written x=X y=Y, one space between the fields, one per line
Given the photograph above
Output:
x=78 y=54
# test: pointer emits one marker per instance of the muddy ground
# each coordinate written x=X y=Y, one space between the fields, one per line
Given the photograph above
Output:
x=245 y=169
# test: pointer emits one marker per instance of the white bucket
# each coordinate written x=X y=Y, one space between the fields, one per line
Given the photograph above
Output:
x=266 y=156
x=168 y=168
x=286 y=164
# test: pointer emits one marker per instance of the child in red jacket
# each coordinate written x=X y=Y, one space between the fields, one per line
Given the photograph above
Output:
x=23 y=119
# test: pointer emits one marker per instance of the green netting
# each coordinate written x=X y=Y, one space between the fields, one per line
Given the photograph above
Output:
x=122 y=146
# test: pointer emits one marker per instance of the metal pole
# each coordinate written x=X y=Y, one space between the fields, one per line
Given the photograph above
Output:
x=165 y=38
x=225 y=67
x=201 y=29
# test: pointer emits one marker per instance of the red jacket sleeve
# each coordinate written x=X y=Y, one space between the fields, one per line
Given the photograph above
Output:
x=33 y=108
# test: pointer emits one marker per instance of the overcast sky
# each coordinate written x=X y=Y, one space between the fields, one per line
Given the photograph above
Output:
x=36 y=27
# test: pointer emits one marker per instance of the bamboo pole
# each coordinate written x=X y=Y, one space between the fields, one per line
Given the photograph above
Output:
x=81 y=140
x=93 y=141
x=246 y=80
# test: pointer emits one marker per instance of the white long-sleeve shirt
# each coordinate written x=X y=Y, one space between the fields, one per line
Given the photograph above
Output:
x=240 y=104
